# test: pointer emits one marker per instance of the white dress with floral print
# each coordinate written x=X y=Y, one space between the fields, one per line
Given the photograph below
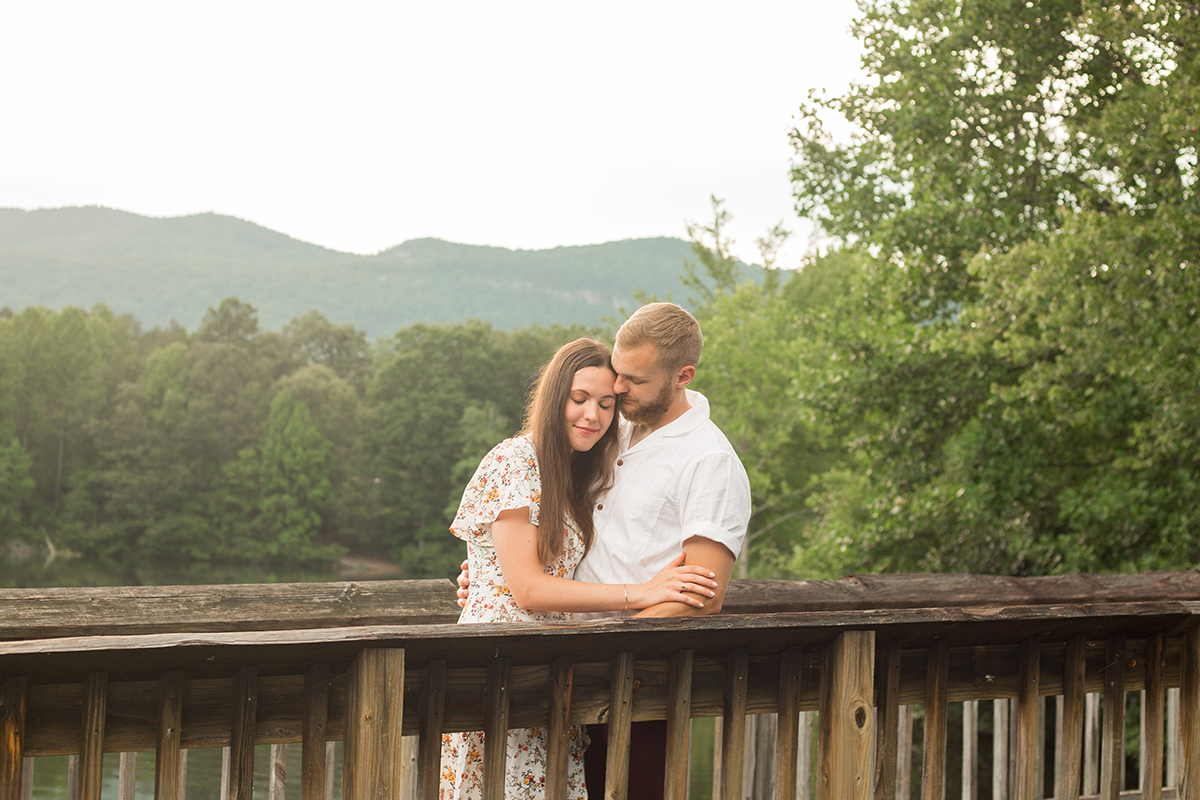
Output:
x=507 y=478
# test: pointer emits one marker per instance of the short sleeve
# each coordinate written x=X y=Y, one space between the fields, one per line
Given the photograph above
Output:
x=507 y=478
x=716 y=500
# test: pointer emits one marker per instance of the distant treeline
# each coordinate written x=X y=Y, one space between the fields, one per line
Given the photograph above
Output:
x=233 y=444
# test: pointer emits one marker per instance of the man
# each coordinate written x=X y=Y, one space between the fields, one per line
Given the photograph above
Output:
x=678 y=485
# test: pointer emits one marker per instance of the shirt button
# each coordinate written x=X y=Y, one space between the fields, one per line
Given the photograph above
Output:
x=619 y=462
x=600 y=507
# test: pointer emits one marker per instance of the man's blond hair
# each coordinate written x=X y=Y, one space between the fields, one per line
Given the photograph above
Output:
x=672 y=330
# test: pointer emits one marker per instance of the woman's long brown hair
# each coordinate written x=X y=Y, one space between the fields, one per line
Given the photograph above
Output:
x=572 y=481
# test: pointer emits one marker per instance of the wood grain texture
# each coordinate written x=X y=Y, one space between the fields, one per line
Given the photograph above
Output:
x=374 y=712
x=1112 y=740
x=12 y=737
x=91 y=739
x=495 y=729
x=955 y=590
x=733 y=724
x=679 y=715
x=1028 y=707
x=127 y=777
x=1069 y=744
x=887 y=720
x=314 y=733
x=1152 y=721
x=241 y=734
x=1189 y=720
x=620 y=719
x=970 y=750
x=933 y=761
x=787 y=732
x=170 y=725
x=846 y=729
x=432 y=711
x=57 y=612
x=558 y=728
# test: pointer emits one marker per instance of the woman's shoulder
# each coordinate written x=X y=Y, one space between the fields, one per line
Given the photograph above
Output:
x=518 y=448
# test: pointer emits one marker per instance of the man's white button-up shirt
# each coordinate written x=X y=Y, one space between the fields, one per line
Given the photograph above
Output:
x=680 y=481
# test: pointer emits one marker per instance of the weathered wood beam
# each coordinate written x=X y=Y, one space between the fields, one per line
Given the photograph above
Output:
x=57 y=612
x=942 y=590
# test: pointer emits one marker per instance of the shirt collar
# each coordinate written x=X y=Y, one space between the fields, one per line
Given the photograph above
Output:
x=687 y=422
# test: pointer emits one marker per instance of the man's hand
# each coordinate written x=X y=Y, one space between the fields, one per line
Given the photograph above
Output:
x=717 y=558
x=464 y=583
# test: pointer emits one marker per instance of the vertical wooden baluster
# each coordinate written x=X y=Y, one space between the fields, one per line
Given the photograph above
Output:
x=904 y=753
x=495 y=729
x=1172 y=777
x=127 y=777
x=277 y=777
x=432 y=717
x=1152 y=714
x=733 y=734
x=1112 y=752
x=170 y=720
x=970 y=755
x=1028 y=700
x=846 y=696
x=787 y=740
x=12 y=737
x=1091 y=745
x=1039 y=752
x=620 y=718
x=330 y=768
x=410 y=754
x=804 y=767
x=241 y=735
x=226 y=772
x=372 y=751
x=1069 y=744
x=72 y=776
x=1189 y=718
x=933 y=765
x=679 y=717
x=183 y=764
x=91 y=739
x=27 y=779
x=1060 y=705
x=314 y=733
x=887 y=721
x=718 y=757
x=558 y=732
x=1000 y=726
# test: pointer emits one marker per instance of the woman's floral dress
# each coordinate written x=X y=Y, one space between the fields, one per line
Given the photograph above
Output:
x=507 y=478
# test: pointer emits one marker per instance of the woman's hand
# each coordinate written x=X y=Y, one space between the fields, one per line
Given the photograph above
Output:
x=678 y=583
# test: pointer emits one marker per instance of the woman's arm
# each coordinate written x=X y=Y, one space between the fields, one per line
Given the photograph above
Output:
x=515 y=540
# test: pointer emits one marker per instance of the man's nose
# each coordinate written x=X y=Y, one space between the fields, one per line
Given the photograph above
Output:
x=619 y=386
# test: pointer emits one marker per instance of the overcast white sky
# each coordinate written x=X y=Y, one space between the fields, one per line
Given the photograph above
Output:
x=359 y=125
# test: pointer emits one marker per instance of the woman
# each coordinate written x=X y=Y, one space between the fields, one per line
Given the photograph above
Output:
x=554 y=470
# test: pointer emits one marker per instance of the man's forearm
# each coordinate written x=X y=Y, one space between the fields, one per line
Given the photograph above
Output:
x=717 y=558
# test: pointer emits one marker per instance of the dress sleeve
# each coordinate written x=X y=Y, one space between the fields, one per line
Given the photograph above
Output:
x=507 y=478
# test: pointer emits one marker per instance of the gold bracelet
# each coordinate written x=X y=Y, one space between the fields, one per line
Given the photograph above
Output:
x=625 y=589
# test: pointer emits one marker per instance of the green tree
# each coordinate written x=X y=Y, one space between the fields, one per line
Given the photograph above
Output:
x=1007 y=369
x=294 y=482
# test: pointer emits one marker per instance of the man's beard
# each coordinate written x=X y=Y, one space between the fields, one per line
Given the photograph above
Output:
x=648 y=413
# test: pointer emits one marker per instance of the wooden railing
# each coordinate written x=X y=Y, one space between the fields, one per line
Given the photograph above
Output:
x=370 y=685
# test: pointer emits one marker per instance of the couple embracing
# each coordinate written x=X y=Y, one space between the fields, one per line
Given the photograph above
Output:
x=582 y=515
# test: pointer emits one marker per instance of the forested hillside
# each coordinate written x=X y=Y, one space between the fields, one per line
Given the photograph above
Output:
x=164 y=270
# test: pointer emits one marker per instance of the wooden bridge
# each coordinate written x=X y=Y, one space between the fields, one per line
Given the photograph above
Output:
x=378 y=666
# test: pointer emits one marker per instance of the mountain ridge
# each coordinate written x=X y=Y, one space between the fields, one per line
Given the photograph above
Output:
x=163 y=269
